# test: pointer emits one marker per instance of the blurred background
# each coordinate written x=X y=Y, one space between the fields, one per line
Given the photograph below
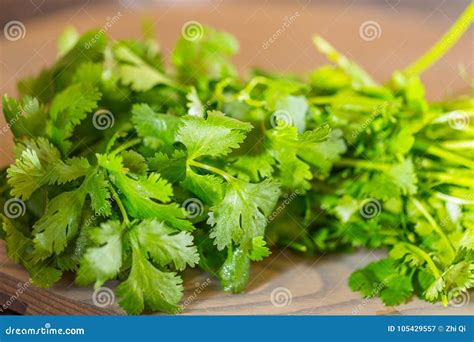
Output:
x=381 y=35
x=22 y=9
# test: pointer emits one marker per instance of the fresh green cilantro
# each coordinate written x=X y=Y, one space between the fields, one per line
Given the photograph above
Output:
x=203 y=168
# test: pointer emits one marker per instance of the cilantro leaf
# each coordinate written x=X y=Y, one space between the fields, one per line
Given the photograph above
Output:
x=215 y=136
x=25 y=118
x=103 y=262
x=39 y=164
x=156 y=129
x=167 y=246
x=140 y=195
x=209 y=188
x=259 y=249
x=148 y=288
x=63 y=214
x=242 y=213
x=68 y=109
x=136 y=72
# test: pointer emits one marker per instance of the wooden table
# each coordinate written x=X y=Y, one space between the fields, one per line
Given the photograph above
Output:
x=317 y=285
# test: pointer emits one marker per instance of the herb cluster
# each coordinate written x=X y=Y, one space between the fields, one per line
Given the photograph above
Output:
x=126 y=170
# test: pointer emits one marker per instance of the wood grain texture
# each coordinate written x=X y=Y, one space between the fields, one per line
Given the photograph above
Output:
x=317 y=285
x=282 y=284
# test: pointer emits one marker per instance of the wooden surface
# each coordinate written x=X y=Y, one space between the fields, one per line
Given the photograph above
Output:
x=317 y=285
x=300 y=286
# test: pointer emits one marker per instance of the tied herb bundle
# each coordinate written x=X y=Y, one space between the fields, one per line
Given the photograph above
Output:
x=124 y=170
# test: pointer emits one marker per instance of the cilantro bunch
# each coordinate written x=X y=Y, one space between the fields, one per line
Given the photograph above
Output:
x=130 y=171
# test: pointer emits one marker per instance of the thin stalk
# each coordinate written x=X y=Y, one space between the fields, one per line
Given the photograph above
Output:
x=363 y=164
x=433 y=223
x=432 y=266
x=449 y=178
x=443 y=154
x=453 y=199
x=355 y=71
x=125 y=146
x=444 y=44
x=295 y=245
x=213 y=169
x=458 y=144
x=119 y=204
x=245 y=94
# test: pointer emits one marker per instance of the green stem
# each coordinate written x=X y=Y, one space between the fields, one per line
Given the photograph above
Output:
x=444 y=44
x=363 y=164
x=458 y=144
x=449 y=178
x=432 y=266
x=355 y=71
x=221 y=173
x=443 y=154
x=295 y=245
x=245 y=94
x=119 y=204
x=453 y=199
x=433 y=223
x=125 y=146
x=220 y=87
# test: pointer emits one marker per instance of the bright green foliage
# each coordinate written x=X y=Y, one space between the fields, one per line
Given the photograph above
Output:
x=136 y=72
x=155 y=129
x=241 y=215
x=40 y=164
x=201 y=168
x=103 y=262
x=68 y=109
x=214 y=136
x=259 y=249
x=167 y=246
x=235 y=271
x=148 y=288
